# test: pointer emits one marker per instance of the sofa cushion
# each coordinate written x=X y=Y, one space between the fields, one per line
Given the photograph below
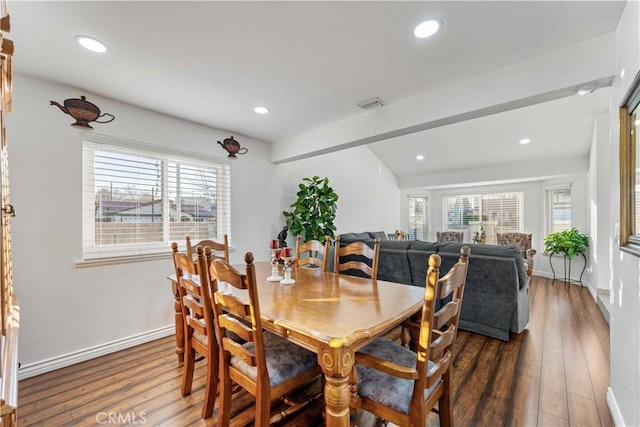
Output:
x=419 y=245
x=354 y=237
x=381 y=234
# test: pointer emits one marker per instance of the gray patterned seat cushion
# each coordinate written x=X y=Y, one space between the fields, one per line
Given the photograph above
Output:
x=386 y=389
x=284 y=360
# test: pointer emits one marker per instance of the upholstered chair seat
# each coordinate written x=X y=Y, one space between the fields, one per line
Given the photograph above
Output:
x=387 y=389
x=284 y=360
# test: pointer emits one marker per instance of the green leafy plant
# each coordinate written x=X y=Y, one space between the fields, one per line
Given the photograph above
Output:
x=568 y=242
x=314 y=211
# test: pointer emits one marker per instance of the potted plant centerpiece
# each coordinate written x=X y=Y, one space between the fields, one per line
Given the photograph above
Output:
x=568 y=243
x=314 y=211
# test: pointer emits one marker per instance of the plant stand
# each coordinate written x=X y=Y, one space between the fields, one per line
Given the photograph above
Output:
x=567 y=270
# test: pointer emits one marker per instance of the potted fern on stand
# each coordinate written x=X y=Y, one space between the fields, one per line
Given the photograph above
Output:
x=569 y=244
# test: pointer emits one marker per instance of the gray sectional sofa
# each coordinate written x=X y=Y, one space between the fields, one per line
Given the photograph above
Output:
x=496 y=297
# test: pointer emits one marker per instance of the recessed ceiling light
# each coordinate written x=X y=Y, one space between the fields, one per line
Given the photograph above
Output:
x=92 y=44
x=427 y=28
x=419 y=157
x=585 y=91
x=261 y=110
x=525 y=141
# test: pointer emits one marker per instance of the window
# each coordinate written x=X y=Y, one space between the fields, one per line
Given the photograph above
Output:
x=630 y=171
x=557 y=210
x=490 y=212
x=417 y=218
x=138 y=198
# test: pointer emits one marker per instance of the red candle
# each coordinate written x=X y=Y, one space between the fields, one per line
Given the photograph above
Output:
x=287 y=252
x=274 y=244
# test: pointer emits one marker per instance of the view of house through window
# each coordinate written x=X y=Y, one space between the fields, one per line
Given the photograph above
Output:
x=557 y=210
x=490 y=213
x=138 y=199
x=417 y=218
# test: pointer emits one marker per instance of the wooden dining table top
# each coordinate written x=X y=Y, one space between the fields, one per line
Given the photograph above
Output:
x=321 y=307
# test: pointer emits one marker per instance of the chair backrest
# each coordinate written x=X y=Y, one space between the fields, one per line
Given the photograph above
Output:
x=239 y=315
x=316 y=251
x=521 y=240
x=450 y=236
x=183 y=263
x=197 y=307
x=220 y=250
x=438 y=329
x=352 y=255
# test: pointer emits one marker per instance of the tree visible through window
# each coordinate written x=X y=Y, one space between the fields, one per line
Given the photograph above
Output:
x=137 y=199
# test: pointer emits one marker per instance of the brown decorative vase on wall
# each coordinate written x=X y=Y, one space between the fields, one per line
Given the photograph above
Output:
x=83 y=111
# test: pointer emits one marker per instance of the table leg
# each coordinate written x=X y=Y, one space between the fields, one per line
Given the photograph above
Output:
x=177 y=318
x=336 y=362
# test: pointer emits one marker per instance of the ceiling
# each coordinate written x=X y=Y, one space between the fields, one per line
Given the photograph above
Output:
x=311 y=62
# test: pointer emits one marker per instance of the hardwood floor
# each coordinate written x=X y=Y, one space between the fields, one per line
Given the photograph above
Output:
x=554 y=374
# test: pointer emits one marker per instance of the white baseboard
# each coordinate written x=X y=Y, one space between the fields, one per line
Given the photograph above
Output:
x=618 y=421
x=48 y=365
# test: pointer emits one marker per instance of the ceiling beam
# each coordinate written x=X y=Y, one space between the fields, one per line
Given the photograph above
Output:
x=543 y=78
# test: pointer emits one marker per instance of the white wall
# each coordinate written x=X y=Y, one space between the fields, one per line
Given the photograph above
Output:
x=70 y=313
x=624 y=395
x=599 y=172
x=65 y=309
x=369 y=199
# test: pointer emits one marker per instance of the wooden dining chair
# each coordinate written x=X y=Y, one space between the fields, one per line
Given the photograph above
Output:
x=357 y=256
x=316 y=252
x=199 y=332
x=182 y=264
x=220 y=250
x=264 y=364
x=402 y=386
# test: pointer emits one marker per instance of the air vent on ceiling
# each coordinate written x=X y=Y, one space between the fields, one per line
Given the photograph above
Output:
x=370 y=103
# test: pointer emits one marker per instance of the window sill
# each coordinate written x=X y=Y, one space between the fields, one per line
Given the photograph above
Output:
x=121 y=260
x=632 y=248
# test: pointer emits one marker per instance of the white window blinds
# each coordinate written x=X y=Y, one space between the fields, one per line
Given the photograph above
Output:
x=557 y=210
x=490 y=213
x=417 y=218
x=138 y=198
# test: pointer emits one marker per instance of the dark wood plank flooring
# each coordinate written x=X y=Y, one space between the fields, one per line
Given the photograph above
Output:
x=553 y=374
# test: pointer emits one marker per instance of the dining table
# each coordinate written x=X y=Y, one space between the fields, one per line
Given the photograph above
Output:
x=333 y=315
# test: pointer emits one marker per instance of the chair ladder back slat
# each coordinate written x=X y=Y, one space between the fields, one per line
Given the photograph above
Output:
x=445 y=314
x=230 y=323
x=232 y=304
x=438 y=369
x=238 y=350
x=197 y=325
x=356 y=265
x=442 y=343
x=196 y=309
x=452 y=280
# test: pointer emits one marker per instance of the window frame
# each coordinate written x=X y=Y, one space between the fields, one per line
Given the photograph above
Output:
x=629 y=239
x=481 y=195
x=425 y=201
x=153 y=250
x=548 y=207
